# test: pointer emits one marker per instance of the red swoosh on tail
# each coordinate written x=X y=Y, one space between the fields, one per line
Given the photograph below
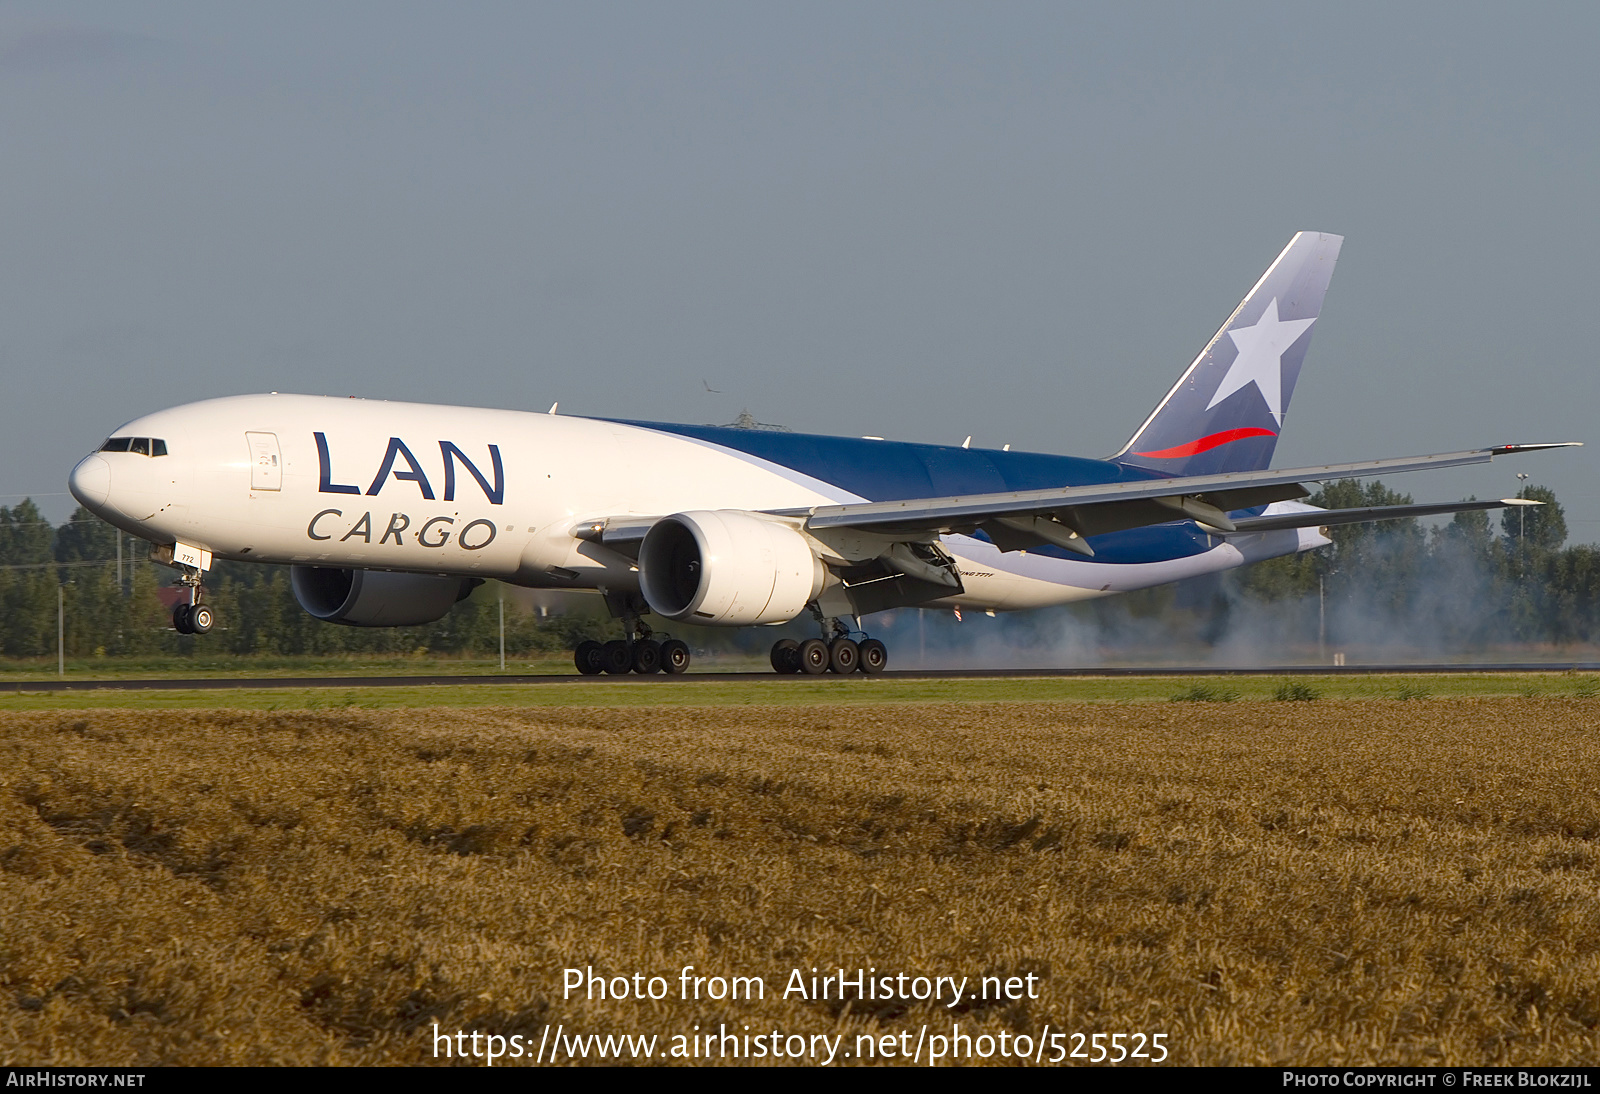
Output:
x=1206 y=444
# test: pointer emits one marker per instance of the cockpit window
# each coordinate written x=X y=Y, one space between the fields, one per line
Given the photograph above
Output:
x=145 y=446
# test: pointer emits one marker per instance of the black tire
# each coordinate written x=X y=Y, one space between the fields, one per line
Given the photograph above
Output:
x=674 y=657
x=814 y=657
x=587 y=656
x=786 y=655
x=201 y=619
x=180 y=619
x=646 y=657
x=616 y=658
x=843 y=656
x=874 y=657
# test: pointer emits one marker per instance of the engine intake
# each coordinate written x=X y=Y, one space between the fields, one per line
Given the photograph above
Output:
x=727 y=568
x=376 y=598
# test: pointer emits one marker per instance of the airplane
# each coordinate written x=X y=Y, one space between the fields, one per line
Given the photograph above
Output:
x=389 y=513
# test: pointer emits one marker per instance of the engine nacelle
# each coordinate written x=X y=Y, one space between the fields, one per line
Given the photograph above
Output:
x=727 y=568
x=376 y=598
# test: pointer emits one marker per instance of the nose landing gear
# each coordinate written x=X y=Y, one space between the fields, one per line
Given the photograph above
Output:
x=195 y=617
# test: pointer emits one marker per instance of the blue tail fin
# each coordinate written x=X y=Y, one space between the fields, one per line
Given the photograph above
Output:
x=1226 y=411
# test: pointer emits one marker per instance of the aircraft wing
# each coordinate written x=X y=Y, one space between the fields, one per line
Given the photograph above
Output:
x=1068 y=515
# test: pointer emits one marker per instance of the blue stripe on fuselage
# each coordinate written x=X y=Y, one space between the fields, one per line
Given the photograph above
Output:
x=897 y=470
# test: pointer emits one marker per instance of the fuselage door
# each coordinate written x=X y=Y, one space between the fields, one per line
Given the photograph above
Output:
x=266 y=464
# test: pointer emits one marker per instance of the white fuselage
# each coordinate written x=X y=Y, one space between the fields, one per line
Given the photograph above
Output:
x=415 y=488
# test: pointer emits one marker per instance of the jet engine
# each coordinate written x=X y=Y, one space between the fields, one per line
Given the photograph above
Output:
x=727 y=568
x=376 y=598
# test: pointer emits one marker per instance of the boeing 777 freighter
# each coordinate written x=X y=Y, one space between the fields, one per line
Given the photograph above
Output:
x=389 y=513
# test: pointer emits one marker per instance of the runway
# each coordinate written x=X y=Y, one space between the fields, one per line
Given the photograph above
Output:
x=230 y=683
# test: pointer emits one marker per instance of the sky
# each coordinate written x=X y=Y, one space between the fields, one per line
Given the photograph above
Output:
x=1018 y=222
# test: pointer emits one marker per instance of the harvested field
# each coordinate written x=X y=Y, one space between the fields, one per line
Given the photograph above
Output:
x=1331 y=882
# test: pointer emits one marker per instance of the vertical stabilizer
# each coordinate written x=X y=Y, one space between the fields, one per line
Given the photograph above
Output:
x=1227 y=409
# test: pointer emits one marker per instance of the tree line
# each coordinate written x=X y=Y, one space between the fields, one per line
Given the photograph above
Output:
x=113 y=609
x=1471 y=583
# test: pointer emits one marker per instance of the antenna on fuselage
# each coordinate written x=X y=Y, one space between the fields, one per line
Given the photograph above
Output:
x=553 y=406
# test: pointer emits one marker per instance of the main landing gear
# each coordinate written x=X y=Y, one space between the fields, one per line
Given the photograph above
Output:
x=642 y=655
x=640 y=652
x=195 y=617
x=835 y=651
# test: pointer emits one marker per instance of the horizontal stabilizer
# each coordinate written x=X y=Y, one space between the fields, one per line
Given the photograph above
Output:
x=1324 y=518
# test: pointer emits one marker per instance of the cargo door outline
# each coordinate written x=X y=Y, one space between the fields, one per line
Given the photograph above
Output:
x=266 y=462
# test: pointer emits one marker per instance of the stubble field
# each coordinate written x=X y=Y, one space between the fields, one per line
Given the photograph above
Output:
x=1332 y=882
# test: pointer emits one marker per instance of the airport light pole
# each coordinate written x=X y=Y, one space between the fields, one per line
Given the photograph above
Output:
x=1322 y=618
x=1522 y=539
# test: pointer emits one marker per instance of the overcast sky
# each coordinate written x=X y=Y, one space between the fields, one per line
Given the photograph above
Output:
x=921 y=221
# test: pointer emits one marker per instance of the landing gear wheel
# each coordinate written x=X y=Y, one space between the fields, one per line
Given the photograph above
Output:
x=843 y=656
x=786 y=655
x=181 y=619
x=587 y=656
x=646 y=657
x=874 y=657
x=674 y=657
x=814 y=657
x=616 y=658
x=201 y=619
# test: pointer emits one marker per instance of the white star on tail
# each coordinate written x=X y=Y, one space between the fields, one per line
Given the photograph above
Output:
x=1259 y=360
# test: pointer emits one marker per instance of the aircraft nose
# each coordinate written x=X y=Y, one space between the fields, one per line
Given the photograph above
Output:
x=90 y=482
